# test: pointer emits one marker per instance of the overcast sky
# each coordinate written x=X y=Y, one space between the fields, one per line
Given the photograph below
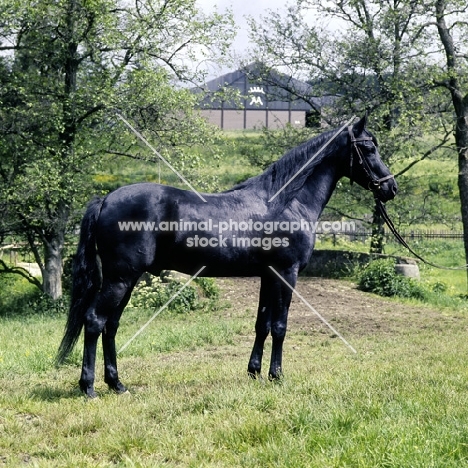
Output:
x=241 y=9
x=254 y=8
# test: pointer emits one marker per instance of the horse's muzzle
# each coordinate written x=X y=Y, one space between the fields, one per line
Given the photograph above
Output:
x=386 y=190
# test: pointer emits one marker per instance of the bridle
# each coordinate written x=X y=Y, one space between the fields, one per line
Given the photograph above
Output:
x=374 y=183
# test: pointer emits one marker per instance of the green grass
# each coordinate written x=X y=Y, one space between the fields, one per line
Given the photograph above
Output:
x=221 y=166
x=402 y=401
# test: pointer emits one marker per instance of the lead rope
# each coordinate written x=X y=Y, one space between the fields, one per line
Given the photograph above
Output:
x=402 y=241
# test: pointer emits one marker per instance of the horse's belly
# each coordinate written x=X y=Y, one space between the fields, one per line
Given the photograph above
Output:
x=216 y=263
x=248 y=258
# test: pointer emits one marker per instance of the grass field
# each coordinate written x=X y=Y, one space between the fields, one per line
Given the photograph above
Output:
x=402 y=401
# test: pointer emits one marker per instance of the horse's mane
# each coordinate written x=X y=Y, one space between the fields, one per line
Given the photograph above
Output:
x=284 y=169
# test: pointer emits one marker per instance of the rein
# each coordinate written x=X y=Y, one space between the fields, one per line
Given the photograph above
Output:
x=399 y=238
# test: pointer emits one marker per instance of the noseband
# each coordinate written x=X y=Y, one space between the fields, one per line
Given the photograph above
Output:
x=374 y=184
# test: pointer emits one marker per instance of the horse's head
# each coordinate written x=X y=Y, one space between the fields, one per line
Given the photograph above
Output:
x=366 y=167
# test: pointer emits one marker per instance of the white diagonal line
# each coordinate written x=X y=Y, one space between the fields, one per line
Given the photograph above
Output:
x=168 y=164
x=312 y=158
x=161 y=309
x=337 y=333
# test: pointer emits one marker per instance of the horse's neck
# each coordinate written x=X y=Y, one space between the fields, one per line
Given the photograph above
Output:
x=317 y=190
x=310 y=198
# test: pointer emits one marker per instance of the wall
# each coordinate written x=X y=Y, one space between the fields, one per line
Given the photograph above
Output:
x=250 y=119
x=338 y=263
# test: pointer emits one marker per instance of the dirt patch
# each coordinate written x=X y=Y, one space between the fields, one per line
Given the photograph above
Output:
x=350 y=311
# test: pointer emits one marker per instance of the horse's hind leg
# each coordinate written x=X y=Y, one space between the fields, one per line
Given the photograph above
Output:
x=111 y=376
x=104 y=314
x=92 y=328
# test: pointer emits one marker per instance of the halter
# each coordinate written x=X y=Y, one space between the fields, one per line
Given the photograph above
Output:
x=374 y=184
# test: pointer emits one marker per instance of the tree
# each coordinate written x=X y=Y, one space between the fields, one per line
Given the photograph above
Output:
x=375 y=61
x=451 y=21
x=66 y=68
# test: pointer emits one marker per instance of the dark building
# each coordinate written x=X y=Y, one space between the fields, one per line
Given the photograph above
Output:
x=270 y=100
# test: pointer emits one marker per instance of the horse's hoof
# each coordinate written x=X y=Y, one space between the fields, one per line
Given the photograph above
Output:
x=118 y=387
x=88 y=390
x=90 y=394
x=255 y=376
x=276 y=377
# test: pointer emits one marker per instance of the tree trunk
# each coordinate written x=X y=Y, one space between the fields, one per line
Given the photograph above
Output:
x=460 y=105
x=377 y=239
x=54 y=242
x=461 y=140
x=52 y=272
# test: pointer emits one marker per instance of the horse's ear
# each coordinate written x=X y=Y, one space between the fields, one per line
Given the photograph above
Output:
x=361 y=125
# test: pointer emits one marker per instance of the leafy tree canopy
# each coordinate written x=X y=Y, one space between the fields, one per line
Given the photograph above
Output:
x=66 y=68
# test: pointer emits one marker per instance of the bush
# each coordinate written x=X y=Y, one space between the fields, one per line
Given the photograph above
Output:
x=16 y=295
x=153 y=293
x=45 y=305
x=380 y=277
x=209 y=287
x=19 y=297
x=439 y=287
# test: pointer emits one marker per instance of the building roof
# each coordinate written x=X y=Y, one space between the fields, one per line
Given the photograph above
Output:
x=254 y=88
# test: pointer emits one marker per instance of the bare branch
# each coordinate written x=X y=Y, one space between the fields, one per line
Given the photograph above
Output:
x=90 y=112
x=430 y=151
x=4 y=268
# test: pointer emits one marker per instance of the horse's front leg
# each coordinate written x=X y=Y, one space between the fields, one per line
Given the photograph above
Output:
x=280 y=308
x=262 y=329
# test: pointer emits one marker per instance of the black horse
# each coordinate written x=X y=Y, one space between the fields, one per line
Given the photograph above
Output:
x=261 y=227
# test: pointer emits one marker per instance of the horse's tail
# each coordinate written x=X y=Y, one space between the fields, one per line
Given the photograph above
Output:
x=87 y=279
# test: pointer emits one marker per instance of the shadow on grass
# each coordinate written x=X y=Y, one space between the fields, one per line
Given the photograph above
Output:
x=51 y=394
